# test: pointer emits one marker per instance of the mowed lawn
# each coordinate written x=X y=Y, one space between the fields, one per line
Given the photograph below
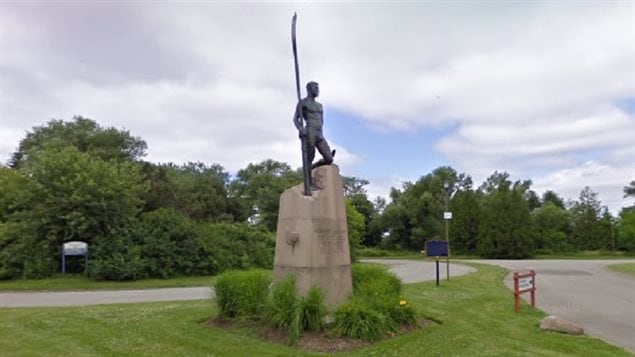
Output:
x=475 y=315
x=626 y=268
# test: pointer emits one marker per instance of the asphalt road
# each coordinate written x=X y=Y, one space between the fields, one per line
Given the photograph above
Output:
x=585 y=292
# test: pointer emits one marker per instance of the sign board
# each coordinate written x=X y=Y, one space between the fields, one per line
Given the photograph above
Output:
x=524 y=283
x=75 y=248
x=447 y=215
x=436 y=248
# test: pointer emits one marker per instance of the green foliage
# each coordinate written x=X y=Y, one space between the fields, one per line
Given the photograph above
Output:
x=464 y=226
x=285 y=309
x=194 y=189
x=551 y=224
x=117 y=258
x=375 y=307
x=242 y=293
x=60 y=195
x=358 y=319
x=626 y=230
x=257 y=189
x=282 y=305
x=355 y=225
x=312 y=309
x=505 y=229
x=169 y=244
x=585 y=215
x=83 y=134
x=234 y=246
x=373 y=280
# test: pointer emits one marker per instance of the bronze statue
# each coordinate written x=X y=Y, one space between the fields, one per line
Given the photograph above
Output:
x=311 y=134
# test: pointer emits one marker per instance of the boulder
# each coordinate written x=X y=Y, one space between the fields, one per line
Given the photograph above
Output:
x=554 y=323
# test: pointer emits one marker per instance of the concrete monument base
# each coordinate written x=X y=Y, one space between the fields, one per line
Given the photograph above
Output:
x=312 y=237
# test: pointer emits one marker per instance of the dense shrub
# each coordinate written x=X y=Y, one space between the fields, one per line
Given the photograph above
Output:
x=169 y=244
x=234 y=246
x=117 y=258
x=242 y=293
x=373 y=280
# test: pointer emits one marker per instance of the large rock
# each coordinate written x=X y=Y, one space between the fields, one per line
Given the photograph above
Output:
x=554 y=323
x=312 y=237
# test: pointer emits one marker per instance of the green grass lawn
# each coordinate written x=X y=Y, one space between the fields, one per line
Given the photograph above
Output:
x=77 y=282
x=475 y=312
x=626 y=268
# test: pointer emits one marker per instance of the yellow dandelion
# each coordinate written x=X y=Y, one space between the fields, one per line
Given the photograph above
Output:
x=403 y=302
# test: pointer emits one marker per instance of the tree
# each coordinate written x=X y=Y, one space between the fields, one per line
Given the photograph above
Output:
x=587 y=232
x=626 y=230
x=464 y=226
x=85 y=135
x=194 y=189
x=71 y=196
x=552 y=226
x=553 y=198
x=257 y=188
x=415 y=214
x=505 y=226
x=356 y=228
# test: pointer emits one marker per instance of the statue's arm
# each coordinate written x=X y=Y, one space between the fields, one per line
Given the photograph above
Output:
x=297 y=117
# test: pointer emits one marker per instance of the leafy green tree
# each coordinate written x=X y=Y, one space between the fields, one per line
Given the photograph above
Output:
x=464 y=226
x=356 y=228
x=552 y=226
x=505 y=229
x=194 y=189
x=415 y=214
x=553 y=198
x=85 y=135
x=71 y=196
x=257 y=189
x=626 y=230
x=588 y=233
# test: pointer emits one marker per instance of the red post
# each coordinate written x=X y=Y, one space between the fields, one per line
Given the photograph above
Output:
x=516 y=293
x=531 y=290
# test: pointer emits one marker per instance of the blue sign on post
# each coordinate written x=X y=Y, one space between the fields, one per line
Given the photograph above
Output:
x=74 y=248
x=436 y=248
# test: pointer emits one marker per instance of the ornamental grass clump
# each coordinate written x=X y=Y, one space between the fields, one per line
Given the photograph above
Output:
x=358 y=319
x=375 y=309
x=242 y=293
x=286 y=310
x=371 y=280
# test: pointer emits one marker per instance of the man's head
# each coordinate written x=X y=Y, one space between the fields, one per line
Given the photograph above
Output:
x=313 y=89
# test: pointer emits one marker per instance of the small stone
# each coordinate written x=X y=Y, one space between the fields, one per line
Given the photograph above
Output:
x=554 y=323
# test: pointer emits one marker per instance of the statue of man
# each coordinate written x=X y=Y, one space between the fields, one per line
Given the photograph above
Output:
x=311 y=111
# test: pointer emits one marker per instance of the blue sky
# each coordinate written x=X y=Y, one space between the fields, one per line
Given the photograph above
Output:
x=543 y=90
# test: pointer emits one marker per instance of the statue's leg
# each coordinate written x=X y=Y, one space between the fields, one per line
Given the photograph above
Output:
x=310 y=142
x=325 y=151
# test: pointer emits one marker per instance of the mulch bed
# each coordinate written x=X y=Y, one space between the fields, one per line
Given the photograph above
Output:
x=315 y=341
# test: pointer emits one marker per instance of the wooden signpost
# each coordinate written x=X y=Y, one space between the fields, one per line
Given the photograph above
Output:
x=524 y=283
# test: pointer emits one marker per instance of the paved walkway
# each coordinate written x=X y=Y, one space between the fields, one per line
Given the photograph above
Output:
x=98 y=297
x=585 y=292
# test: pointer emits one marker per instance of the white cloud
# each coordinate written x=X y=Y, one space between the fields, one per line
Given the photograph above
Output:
x=531 y=88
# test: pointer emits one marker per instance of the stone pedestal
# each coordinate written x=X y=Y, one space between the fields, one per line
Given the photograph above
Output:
x=312 y=237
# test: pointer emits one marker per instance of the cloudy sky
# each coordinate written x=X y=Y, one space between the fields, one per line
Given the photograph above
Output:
x=544 y=90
